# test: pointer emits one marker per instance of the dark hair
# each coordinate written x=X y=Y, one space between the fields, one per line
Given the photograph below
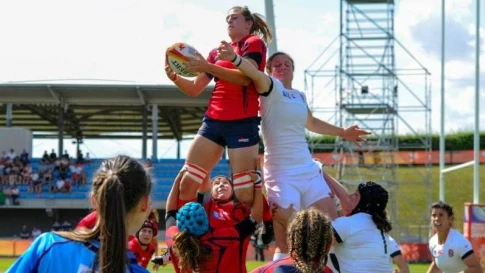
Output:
x=260 y=27
x=444 y=206
x=118 y=186
x=309 y=240
x=373 y=201
x=270 y=60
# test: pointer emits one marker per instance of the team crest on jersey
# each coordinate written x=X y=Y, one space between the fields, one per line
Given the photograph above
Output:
x=451 y=253
x=217 y=215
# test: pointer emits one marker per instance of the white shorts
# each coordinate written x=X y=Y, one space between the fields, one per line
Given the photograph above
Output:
x=288 y=190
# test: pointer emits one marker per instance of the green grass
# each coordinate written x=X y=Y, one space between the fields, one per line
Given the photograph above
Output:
x=415 y=268
x=411 y=202
x=411 y=197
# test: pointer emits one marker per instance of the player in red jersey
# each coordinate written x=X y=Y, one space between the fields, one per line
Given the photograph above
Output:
x=142 y=245
x=309 y=241
x=89 y=221
x=196 y=247
x=228 y=222
x=231 y=119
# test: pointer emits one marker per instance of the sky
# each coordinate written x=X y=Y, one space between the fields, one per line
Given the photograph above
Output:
x=122 y=40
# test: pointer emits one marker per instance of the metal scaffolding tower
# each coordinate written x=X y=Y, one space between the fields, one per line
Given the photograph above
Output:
x=369 y=90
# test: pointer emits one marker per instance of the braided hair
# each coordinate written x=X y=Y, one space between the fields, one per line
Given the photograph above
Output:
x=309 y=240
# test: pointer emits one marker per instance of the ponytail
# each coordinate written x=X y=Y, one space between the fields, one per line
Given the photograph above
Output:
x=380 y=219
x=112 y=226
x=261 y=28
x=117 y=189
x=191 y=252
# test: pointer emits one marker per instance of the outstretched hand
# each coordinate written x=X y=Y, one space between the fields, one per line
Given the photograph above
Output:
x=225 y=52
x=354 y=134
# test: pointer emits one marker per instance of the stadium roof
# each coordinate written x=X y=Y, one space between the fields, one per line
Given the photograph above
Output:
x=101 y=110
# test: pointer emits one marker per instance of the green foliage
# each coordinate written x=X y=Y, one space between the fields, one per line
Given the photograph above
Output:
x=453 y=142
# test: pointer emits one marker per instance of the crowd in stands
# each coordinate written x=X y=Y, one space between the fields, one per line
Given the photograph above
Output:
x=56 y=173
x=26 y=234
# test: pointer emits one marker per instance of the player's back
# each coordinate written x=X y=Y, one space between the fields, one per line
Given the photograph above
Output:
x=53 y=253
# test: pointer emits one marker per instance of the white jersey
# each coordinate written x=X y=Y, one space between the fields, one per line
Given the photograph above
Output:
x=449 y=256
x=394 y=249
x=284 y=115
x=361 y=248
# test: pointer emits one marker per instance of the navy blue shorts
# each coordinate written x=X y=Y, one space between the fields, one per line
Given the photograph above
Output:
x=231 y=133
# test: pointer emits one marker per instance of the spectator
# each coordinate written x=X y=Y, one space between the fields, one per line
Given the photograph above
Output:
x=15 y=195
x=66 y=155
x=11 y=155
x=2 y=196
x=66 y=226
x=45 y=157
x=53 y=156
x=56 y=226
x=12 y=194
x=24 y=233
x=35 y=183
x=24 y=157
x=36 y=232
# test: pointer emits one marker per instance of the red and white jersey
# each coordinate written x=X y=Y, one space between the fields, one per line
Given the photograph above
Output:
x=284 y=115
x=449 y=256
x=361 y=247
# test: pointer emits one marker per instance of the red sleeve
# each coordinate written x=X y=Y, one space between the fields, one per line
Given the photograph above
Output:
x=89 y=221
x=253 y=44
x=212 y=58
x=171 y=231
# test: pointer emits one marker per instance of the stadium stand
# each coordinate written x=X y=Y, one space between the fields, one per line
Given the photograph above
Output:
x=164 y=171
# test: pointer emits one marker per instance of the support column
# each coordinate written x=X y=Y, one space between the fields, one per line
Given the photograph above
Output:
x=144 y=131
x=9 y=115
x=154 y=132
x=178 y=148
x=61 y=130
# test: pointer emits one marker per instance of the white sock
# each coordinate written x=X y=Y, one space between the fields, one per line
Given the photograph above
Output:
x=278 y=256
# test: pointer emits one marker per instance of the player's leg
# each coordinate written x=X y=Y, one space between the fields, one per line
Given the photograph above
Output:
x=318 y=196
x=203 y=156
x=242 y=139
x=286 y=198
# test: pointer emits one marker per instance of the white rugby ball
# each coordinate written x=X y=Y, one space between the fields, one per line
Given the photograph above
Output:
x=177 y=56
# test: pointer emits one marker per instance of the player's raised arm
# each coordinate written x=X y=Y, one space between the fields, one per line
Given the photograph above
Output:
x=261 y=80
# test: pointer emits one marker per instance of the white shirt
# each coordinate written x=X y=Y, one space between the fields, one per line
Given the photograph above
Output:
x=363 y=248
x=449 y=256
x=284 y=115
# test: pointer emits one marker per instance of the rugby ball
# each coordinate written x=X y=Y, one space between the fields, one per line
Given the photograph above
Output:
x=177 y=55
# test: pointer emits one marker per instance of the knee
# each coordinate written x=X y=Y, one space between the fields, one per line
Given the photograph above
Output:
x=192 y=178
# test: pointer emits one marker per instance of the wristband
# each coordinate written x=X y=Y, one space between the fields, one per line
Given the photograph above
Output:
x=237 y=60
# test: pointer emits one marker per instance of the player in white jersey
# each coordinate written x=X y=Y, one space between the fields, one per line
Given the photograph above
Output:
x=292 y=179
x=451 y=251
x=362 y=243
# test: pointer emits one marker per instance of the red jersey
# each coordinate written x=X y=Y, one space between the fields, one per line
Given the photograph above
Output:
x=223 y=216
x=142 y=256
x=234 y=102
x=89 y=221
x=223 y=242
x=284 y=265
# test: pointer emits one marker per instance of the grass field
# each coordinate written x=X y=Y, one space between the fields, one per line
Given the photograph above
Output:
x=411 y=197
x=415 y=268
